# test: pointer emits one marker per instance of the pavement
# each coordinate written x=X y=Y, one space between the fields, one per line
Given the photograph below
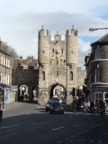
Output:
x=12 y=105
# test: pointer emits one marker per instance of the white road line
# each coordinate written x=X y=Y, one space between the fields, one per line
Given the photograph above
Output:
x=5 y=127
x=55 y=129
x=8 y=135
x=59 y=142
x=18 y=132
x=67 y=138
x=100 y=141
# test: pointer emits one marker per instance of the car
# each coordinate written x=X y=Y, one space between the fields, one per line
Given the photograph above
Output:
x=56 y=99
x=49 y=103
x=56 y=108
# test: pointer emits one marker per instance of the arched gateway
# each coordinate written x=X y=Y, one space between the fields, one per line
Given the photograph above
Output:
x=58 y=61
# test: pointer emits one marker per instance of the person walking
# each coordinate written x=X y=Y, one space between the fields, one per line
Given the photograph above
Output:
x=102 y=108
x=92 y=108
x=1 y=113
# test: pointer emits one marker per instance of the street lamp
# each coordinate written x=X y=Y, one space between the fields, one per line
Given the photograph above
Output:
x=95 y=29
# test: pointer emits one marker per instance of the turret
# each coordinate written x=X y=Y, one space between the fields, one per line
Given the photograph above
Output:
x=71 y=46
x=43 y=46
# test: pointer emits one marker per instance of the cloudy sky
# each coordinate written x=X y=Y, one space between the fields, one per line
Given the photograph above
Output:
x=20 y=21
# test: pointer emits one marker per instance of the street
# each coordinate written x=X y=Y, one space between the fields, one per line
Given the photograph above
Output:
x=31 y=124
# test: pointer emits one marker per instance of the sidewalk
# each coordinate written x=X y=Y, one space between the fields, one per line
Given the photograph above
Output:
x=11 y=106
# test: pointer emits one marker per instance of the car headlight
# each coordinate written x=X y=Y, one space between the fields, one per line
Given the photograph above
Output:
x=47 y=105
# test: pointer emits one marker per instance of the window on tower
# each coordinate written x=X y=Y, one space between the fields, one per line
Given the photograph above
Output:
x=71 y=75
x=43 y=75
x=62 y=50
x=53 y=50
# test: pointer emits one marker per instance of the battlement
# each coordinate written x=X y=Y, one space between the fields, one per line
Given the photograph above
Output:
x=43 y=32
x=57 y=37
x=72 y=32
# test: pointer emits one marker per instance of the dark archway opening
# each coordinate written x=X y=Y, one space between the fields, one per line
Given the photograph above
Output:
x=58 y=91
x=23 y=94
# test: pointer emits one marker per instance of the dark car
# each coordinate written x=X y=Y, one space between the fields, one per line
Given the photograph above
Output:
x=50 y=102
x=56 y=108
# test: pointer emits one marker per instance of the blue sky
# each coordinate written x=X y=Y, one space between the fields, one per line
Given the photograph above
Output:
x=20 y=21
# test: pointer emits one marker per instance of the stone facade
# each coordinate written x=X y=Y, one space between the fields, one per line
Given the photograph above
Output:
x=81 y=76
x=58 y=61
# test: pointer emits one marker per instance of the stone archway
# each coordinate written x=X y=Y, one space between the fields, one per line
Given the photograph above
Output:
x=57 y=90
x=23 y=93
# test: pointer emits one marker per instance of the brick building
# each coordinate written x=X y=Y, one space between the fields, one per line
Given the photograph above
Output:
x=96 y=67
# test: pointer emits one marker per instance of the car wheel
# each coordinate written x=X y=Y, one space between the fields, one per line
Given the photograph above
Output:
x=51 y=112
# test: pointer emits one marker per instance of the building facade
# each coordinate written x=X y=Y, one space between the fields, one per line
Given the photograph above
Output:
x=96 y=67
x=5 y=77
x=58 y=61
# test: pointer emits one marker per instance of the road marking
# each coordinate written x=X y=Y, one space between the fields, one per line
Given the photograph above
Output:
x=67 y=138
x=59 y=142
x=100 y=141
x=19 y=132
x=5 y=127
x=73 y=136
x=55 y=129
x=8 y=135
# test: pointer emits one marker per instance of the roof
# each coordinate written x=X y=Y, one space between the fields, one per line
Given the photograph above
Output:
x=103 y=40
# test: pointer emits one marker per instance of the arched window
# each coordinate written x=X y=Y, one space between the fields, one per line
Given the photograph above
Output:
x=43 y=75
x=71 y=75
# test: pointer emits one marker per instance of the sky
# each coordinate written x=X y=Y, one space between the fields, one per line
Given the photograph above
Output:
x=20 y=21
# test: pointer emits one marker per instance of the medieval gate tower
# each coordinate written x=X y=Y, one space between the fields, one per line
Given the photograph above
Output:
x=58 y=61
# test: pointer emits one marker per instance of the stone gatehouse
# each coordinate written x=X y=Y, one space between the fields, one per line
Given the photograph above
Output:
x=58 y=61
x=56 y=71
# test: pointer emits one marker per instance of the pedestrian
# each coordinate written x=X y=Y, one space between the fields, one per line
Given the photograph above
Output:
x=92 y=108
x=1 y=113
x=102 y=108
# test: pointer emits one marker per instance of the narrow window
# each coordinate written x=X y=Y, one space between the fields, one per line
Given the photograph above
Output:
x=71 y=75
x=98 y=75
x=53 y=50
x=43 y=75
x=57 y=73
x=62 y=50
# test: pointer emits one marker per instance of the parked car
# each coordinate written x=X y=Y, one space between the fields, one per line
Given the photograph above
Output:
x=56 y=108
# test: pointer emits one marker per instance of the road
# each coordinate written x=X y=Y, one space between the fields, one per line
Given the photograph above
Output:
x=30 y=124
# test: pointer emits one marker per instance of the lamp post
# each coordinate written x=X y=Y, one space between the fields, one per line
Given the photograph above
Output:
x=95 y=29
